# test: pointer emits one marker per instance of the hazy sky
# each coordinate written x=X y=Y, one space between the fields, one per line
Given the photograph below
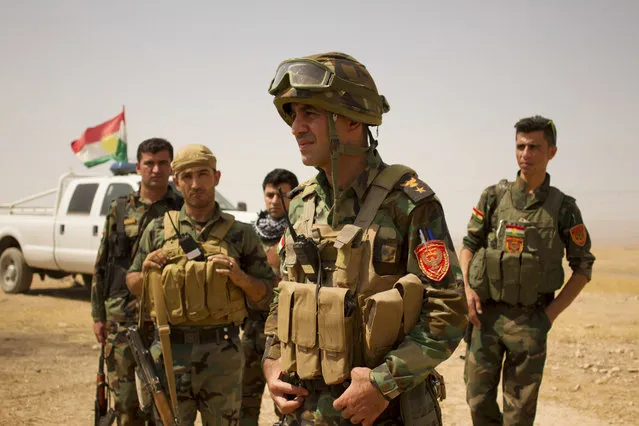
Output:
x=457 y=75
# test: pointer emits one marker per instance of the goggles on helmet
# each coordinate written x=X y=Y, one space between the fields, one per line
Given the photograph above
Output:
x=302 y=74
x=308 y=74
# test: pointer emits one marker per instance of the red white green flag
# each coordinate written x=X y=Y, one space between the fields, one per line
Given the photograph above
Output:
x=102 y=143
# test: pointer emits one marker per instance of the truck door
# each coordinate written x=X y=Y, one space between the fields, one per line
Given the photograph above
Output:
x=75 y=229
x=113 y=191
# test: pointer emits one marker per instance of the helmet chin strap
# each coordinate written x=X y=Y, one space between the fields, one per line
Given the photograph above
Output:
x=338 y=149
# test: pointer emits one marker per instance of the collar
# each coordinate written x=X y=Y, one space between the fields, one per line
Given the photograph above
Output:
x=170 y=196
x=520 y=196
x=360 y=184
x=183 y=218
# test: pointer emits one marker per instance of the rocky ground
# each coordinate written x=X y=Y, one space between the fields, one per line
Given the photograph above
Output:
x=48 y=356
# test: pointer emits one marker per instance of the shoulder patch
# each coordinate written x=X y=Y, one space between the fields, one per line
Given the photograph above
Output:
x=129 y=221
x=579 y=234
x=414 y=188
x=478 y=215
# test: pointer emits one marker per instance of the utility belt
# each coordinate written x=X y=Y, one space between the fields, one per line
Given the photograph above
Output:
x=320 y=332
x=318 y=386
x=542 y=302
x=203 y=335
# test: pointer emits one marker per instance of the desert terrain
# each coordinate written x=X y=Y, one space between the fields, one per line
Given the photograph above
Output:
x=48 y=355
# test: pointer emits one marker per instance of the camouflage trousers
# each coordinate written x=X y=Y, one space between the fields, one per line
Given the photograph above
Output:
x=120 y=367
x=253 y=381
x=208 y=377
x=515 y=336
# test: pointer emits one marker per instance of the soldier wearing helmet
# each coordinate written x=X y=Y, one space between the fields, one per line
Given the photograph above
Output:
x=371 y=298
x=207 y=268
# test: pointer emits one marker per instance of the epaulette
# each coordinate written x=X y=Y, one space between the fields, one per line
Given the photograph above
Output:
x=416 y=189
x=299 y=189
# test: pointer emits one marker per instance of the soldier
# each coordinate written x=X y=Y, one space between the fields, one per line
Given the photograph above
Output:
x=371 y=297
x=512 y=264
x=270 y=226
x=112 y=306
x=210 y=264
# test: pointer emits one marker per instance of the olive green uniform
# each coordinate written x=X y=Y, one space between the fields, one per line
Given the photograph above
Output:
x=518 y=241
x=208 y=359
x=111 y=301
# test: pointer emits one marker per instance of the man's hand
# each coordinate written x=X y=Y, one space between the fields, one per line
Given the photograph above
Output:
x=99 y=329
x=273 y=258
x=155 y=259
x=280 y=389
x=361 y=402
x=474 y=306
x=226 y=265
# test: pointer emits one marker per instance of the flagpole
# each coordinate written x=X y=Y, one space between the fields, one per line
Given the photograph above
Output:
x=126 y=140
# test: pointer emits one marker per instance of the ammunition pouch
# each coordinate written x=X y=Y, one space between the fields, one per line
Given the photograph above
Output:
x=195 y=293
x=513 y=278
x=304 y=332
x=349 y=257
x=313 y=345
x=335 y=334
x=389 y=316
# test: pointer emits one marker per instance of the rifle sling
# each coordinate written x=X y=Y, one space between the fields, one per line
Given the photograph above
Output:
x=164 y=331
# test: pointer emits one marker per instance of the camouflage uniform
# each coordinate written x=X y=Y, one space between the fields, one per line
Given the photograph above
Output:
x=515 y=334
x=116 y=306
x=253 y=343
x=406 y=210
x=209 y=373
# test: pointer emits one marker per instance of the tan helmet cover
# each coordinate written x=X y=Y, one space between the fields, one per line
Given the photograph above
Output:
x=193 y=155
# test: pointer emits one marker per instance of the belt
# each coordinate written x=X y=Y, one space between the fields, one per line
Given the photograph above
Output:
x=317 y=385
x=543 y=300
x=197 y=335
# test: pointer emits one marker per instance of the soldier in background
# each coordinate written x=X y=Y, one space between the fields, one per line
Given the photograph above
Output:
x=512 y=263
x=113 y=308
x=270 y=226
x=209 y=268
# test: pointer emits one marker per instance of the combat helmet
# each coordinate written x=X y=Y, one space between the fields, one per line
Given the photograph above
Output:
x=338 y=84
x=332 y=81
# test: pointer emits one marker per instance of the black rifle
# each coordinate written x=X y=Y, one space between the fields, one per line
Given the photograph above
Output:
x=103 y=415
x=150 y=379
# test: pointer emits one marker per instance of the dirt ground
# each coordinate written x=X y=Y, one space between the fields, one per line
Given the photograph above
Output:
x=48 y=355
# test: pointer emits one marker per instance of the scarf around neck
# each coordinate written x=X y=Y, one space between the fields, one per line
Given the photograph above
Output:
x=269 y=230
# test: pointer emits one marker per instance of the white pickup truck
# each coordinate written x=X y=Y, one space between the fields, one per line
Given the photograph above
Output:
x=64 y=239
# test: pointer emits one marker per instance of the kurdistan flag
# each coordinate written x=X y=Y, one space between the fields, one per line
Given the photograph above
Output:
x=104 y=142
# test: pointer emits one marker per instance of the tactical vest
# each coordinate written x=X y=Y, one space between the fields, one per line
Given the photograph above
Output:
x=524 y=253
x=356 y=316
x=119 y=259
x=195 y=294
x=123 y=245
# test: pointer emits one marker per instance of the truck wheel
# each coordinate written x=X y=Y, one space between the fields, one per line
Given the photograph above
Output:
x=15 y=274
